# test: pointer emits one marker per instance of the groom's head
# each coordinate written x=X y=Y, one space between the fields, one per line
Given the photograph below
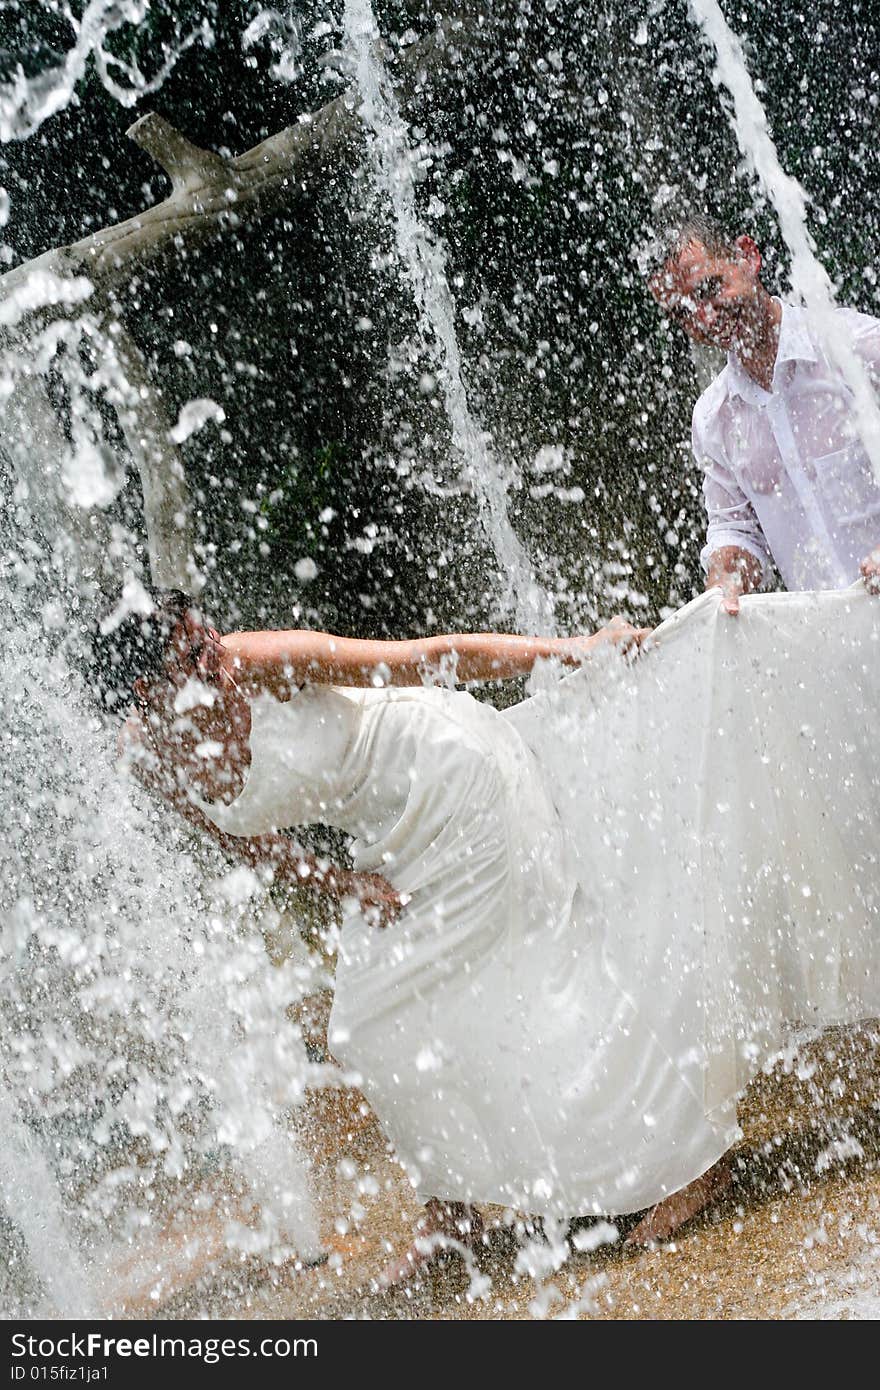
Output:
x=708 y=282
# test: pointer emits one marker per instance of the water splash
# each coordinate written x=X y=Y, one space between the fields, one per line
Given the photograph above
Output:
x=30 y=1196
x=25 y=103
x=809 y=278
x=424 y=260
x=144 y=1042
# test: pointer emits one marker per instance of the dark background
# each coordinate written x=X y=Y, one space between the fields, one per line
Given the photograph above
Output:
x=560 y=148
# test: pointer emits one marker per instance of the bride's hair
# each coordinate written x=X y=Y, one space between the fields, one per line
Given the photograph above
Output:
x=134 y=647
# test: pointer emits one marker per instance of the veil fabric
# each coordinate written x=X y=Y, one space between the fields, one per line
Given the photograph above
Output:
x=721 y=796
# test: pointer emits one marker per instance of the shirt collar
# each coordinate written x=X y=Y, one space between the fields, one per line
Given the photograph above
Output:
x=795 y=345
x=795 y=340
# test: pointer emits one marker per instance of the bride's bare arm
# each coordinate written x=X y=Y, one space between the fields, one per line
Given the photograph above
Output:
x=276 y=661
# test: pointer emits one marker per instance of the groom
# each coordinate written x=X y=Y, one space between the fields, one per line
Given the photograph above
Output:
x=786 y=479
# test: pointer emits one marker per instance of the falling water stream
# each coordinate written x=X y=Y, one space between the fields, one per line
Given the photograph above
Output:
x=425 y=263
x=29 y=1196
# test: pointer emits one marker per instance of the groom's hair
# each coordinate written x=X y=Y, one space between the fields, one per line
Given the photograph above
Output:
x=707 y=231
x=134 y=646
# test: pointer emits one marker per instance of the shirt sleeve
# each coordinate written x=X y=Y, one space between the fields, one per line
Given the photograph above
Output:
x=731 y=516
x=865 y=332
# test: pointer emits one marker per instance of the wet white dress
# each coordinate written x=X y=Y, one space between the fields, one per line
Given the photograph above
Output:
x=623 y=892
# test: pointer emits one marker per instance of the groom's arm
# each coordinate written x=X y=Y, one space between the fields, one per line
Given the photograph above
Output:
x=736 y=556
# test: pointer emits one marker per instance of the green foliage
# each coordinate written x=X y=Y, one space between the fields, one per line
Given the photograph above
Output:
x=305 y=492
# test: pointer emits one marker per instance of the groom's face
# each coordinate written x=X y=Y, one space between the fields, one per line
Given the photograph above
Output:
x=711 y=295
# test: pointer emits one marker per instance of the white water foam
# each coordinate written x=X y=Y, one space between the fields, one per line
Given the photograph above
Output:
x=145 y=1043
x=424 y=260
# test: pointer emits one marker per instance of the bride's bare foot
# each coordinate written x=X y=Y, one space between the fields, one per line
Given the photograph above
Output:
x=673 y=1212
x=443 y=1226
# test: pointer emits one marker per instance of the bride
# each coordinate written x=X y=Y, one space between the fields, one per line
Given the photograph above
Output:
x=617 y=895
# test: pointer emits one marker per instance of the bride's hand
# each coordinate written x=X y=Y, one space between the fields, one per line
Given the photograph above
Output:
x=618 y=631
x=623 y=634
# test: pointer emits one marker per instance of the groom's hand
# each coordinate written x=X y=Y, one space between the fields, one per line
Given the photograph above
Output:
x=870 y=569
x=731 y=587
x=735 y=572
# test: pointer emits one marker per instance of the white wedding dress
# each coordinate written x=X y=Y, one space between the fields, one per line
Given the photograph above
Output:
x=624 y=890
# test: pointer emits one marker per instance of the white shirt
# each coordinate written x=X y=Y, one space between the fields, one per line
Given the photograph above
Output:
x=785 y=474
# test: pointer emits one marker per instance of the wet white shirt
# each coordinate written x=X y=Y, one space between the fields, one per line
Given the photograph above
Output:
x=786 y=476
